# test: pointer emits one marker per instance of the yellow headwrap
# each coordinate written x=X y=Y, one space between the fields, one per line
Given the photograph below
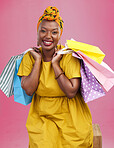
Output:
x=51 y=14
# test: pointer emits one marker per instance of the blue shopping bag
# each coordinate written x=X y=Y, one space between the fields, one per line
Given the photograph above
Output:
x=20 y=95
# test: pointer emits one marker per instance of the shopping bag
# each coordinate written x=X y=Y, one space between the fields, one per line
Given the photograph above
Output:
x=7 y=76
x=90 y=87
x=91 y=51
x=102 y=72
x=20 y=95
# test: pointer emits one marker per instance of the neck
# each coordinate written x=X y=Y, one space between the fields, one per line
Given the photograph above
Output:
x=48 y=54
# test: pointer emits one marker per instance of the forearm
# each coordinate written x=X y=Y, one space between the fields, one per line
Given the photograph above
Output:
x=30 y=83
x=69 y=87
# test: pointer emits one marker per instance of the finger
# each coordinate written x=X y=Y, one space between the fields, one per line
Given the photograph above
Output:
x=55 y=49
x=32 y=51
x=60 y=56
x=36 y=50
x=54 y=55
x=33 y=47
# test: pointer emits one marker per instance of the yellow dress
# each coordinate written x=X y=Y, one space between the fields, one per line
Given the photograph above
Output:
x=55 y=121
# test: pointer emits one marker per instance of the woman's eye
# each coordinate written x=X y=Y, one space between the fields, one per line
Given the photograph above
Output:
x=54 y=32
x=43 y=31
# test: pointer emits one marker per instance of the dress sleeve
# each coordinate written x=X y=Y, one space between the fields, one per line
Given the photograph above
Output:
x=26 y=65
x=71 y=66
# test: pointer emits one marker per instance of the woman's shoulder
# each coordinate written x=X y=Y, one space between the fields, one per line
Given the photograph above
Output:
x=28 y=57
x=70 y=65
x=70 y=58
x=65 y=56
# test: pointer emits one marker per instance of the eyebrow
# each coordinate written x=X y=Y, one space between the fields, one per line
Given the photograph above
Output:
x=52 y=29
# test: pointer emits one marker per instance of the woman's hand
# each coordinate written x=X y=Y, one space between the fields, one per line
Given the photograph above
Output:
x=69 y=86
x=30 y=83
x=36 y=53
x=56 y=58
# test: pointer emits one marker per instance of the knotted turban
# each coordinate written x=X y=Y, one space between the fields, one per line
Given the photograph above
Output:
x=51 y=14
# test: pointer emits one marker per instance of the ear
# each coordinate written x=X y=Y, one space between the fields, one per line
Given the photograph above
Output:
x=38 y=44
x=60 y=43
x=59 y=38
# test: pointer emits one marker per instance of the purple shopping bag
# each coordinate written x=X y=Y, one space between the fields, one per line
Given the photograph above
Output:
x=90 y=87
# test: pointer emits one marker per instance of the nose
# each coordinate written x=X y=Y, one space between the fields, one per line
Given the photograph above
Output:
x=48 y=35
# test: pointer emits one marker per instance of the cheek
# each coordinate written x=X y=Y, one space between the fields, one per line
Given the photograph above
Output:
x=56 y=38
x=39 y=37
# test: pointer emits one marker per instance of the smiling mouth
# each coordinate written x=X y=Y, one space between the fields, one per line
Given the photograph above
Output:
x=47 y=43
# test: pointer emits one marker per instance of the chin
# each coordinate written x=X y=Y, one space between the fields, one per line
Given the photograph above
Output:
x=48 y=47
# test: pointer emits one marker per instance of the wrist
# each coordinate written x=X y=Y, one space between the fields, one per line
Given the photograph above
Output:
x=55 y=64
x=38 y=61
x=59 y=75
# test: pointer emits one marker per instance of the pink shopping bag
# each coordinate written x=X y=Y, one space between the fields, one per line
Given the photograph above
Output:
x=103 y=74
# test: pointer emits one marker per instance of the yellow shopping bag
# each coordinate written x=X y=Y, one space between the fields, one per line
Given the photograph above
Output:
x=91 y=51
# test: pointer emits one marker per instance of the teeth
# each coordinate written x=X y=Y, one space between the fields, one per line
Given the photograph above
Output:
x=47 y=42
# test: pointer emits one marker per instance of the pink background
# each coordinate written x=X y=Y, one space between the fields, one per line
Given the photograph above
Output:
x=89 y=21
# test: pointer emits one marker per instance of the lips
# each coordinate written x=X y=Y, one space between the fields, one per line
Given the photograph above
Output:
x=47 y=43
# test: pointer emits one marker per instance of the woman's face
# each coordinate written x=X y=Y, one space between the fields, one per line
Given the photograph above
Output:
x=48 y=34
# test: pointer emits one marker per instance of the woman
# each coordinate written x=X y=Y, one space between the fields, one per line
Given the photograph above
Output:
x=58 y=116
